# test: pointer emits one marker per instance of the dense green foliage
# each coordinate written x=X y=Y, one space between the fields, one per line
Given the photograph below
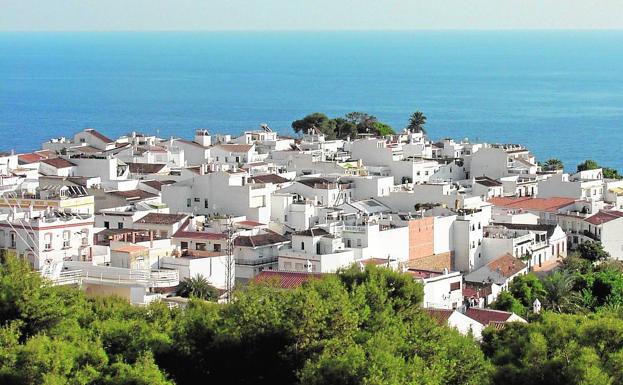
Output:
x=350 y=124
x=357 y=327
x=608 y=172
x=588 y=164
x=558 y=349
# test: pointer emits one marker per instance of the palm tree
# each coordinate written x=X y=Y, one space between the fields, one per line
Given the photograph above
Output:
x=197 y=287
x=553 y=165
x=417 y=122
x=560 y=296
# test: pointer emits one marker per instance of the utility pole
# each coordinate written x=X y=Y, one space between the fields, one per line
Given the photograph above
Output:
x=229 y=259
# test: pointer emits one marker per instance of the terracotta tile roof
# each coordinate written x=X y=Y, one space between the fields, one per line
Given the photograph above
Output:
x=29 y=158
x=58 y=162
x=162 y=219
x=522 y=226
x=133 y=194
x=506 y=265
x=250 y=224
x=487 y=316
x=146 y=168
x=537 y=204
x=424 y=274
x=235 y=147
x=269 y=178
x=130 y=249
x=375 y=261
x=604 y=217
x=441 y=316
x=269 y=238
x=488 y=182
x=203 y=254
x=313 y=232
x=182 y=233
x=157 y=184
x=85 y=149
x=46 y=153
x=285 y=279
x=98 y=135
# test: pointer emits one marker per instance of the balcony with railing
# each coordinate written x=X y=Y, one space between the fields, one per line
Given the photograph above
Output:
x=123 y=276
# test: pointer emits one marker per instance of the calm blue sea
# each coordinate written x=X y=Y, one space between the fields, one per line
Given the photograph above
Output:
x=560 y=93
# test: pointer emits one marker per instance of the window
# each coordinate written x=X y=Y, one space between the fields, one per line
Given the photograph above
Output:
x=13 y=240
x=348 y=243
x=285 y=217
x=217 y=247
x=47 y=239
x=85 y=237
x=197 y=200
x=302 y=245
x=237 y=159
x=188 y=202
x=107 y=224
x=66 y=239
x=184 y=245
x=455 y=286
x=200 y=246
x=318 y=248
x=205 y=203
x=120 y=225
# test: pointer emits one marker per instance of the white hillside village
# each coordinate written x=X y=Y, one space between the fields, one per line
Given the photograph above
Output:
x=137 y=215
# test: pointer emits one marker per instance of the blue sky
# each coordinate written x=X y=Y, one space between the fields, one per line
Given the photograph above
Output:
x=123 y=15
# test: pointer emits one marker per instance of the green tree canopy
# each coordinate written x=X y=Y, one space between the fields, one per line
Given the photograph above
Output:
x=557 y=349
x=315 y=120
x=593 y=252
x=588 y=164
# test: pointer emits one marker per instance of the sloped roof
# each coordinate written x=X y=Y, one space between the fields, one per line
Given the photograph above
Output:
x=487 y=316
x=58 y=162
x=497 y=271
x=441 y=316
x=162 y=219
x=520 y=226
x=99 y=135
x=506 y=265
x=145 y=168
x=249 y=224
x=488 y=182
x=235 y=147
x=269 y=238
x=286 y=279
x=133 y=194
x=604 y=217
x=29 y=158
x=313 y=232
x=269 y=178
x=537 y=204
x=157 y=184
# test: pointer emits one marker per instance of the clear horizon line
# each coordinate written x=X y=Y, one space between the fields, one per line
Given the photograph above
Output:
x=312 y=30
